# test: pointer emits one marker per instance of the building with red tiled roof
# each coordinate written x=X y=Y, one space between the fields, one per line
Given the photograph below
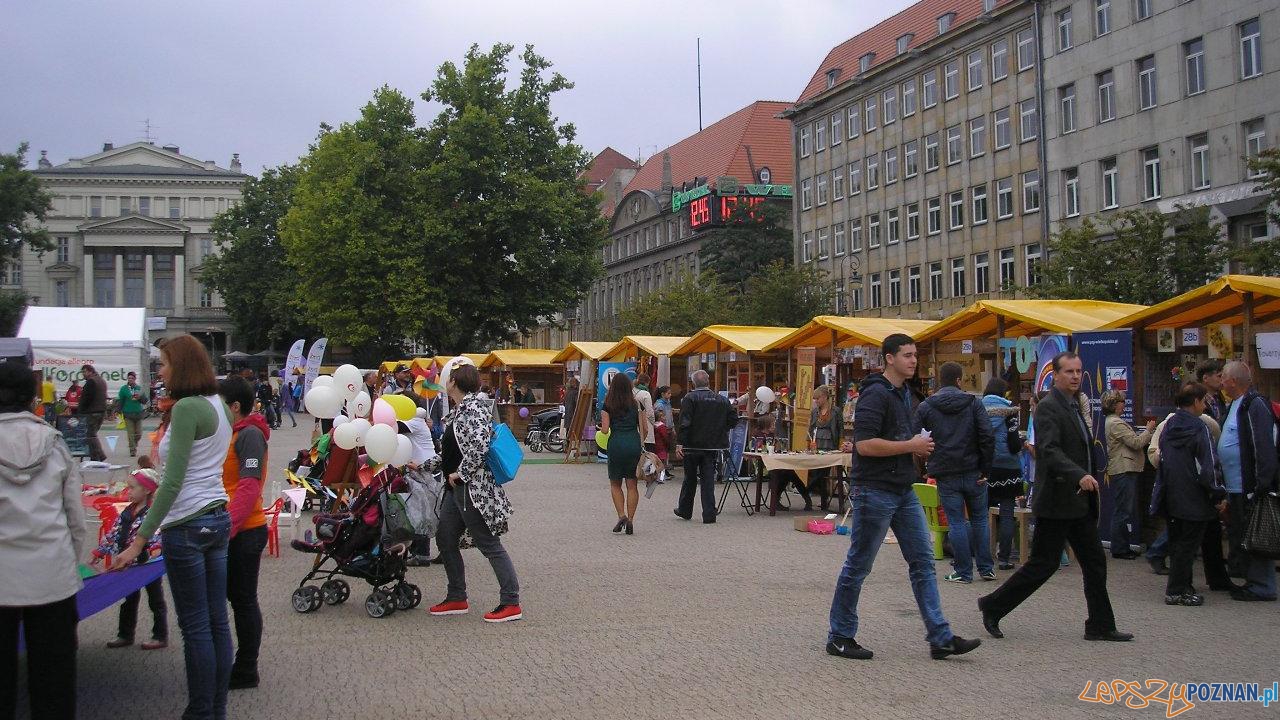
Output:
x=609 y=172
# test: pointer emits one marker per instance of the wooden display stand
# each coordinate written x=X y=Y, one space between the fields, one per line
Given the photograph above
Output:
x=573 y=431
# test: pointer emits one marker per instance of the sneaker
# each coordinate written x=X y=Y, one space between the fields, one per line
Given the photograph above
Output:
x=1185 y=599
x=418 y=561
x=119 y=643
x=1246 y=595
x=450 y=607
x=503 y=613
x=154 y=644
x=988 y=575
x=1006 y=566
x=847 y=648
x=957 y=646
x=956 y=577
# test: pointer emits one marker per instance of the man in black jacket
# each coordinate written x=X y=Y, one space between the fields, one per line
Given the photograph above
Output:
x=93 y=404
x=886 y=441
x=705 y=420
x=1065 y=505
x=964 y=444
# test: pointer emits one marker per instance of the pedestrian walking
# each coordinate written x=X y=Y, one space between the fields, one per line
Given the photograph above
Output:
x=1126 y=452
x=93 y=405
x=705 y=420
x=644 y=399
x=625 y=422
x=133 y=405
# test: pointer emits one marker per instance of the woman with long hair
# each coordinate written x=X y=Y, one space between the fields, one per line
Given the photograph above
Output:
x=1005 y=484
x=626 y=425
x=826 y=424
x=190 y=512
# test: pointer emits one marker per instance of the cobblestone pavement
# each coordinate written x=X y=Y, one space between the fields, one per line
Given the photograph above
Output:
x=684 y=620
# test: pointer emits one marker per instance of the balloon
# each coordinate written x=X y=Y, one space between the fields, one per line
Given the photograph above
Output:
x=362 y=426
x=449 y=366
x=383 y=414
x=524 y=412
x=322 y=402
x=360 y=405
x=347 y=381
x=341 y=420
x=322 y=381
x=404 y=451
x=346 y=436
x=602 y=439
x=420 y=413
x=380 y=442
x=401 y=404
x=765 y=394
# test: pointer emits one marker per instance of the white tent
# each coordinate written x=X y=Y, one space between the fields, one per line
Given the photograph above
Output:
x=113 y=340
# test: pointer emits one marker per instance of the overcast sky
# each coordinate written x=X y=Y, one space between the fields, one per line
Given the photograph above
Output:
x=258 y=77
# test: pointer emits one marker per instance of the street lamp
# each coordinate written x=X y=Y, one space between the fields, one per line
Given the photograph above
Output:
x=852 y=279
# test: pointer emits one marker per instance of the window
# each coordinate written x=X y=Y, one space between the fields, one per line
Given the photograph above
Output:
x=837 y=184
x=955 y=205
x=134 y=262
x=104 y=261
x=820 y=136
x=1193 y=51
x=1255 y=141
x=64 y=249
x=1257 y=233
x=1028 y=122
x=11 y=272
x=855 y=177
x=806 y=246
x=855 y=235
x=838 y=237
x=1141 y=9
x=895 y=288
x=944 y=22
x=988 y=5
x=1151 y=173
x=823 y=233
x=929 y=86
x=857 y=299
x=1000 y=122
x=873 y=230
x=934 y=215
x=954 y=149
x=126 y=205
x=979 y=196
x=175 y=208
x=1030 y=191
x=1032 y=254
x=873 y=172
x=913 y=221
x=977 y=136
x=62 y=294
x=1200 y=179
x=822 y=189
x=958 y=283
x=104 y=292
x=1250 y=49
x=1004 y=198
x=1007 y=262
x=855 y=121
x=904 y=42
x=806 y=194
x=869 y=116
x=982 y=273
x=1026 y=50
x=951 y=80
x=1106 y=96
x=864 y=62
x=931 y=152
x=909 y=98
x=1110 y=191
x=913 y=284
x=837 y=127
x=95 y=206
x=1146 y=82
x=1064 y=30
x=891 y=166
x=135 y=290
x=804 y=140
x=832 y=74
x=1067 y=100
x=875 y=290
x=1000 y=59
x=890 y=105
x=1101 y=17
x=206 y=296
x=893 y=220
x=144 y=208
x=911 y=158
x=975 y=70
x=163 y=262
x=935 y=281
x=1071 y=192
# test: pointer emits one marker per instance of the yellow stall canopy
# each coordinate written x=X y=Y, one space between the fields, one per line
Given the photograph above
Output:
x=390 y=365
x=583 y=350
x=849 y=331
x=520 y=358
x=633 y=346
x=1221 y=301
x=1026 y=317
x=739 y=338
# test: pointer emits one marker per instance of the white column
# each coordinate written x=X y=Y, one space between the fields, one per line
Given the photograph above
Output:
x=119 y=279
x=86 y=276
x=148 y=275
x=180 y=283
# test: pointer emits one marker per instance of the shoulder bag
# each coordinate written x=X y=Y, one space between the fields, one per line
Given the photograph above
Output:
x=504 y=456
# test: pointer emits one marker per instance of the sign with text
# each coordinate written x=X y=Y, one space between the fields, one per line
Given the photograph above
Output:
x=605 y=376
x=1269 y=350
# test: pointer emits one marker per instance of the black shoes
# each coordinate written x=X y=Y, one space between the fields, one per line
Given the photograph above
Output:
x=1228 y=586
x=990 y=622
x=1109 y=636
x=957 y=646
x=1185 y=599
x=1127 y=556
x=417 y=561
x=1006 y=566
x=622 y=525
x=1157 y=566
x=708 y=521
x=681 y=515
x=631 y=528
x=1246 y=595
x=243 y=679
x=847 y=648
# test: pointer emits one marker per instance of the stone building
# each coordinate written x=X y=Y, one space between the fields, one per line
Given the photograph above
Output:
x=131 y=228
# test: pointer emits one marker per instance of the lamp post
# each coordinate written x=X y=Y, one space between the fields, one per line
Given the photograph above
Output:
x=852 y=279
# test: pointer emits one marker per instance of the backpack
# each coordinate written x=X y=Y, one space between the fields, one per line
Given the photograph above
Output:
x=1275 y=420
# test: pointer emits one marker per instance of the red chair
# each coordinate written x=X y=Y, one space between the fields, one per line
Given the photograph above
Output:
x=273 y=526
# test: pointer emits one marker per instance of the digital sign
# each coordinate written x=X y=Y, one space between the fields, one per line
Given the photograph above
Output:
x=712 y=211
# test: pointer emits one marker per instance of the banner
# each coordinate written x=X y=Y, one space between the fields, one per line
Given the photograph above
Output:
x=806 y=359
x=113 y=363
x=313 y=363
x=1107 y=356
x=1048 y=347
x=1269 y=350
x=605 y=375
x=294 y=358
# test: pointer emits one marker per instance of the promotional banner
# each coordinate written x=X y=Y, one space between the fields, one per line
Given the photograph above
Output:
x=605 y=375
x=112 y=363
x=1107 y=356
x=1269 y=350
x=294 y=358
x=314 y=356
x=1048 y=347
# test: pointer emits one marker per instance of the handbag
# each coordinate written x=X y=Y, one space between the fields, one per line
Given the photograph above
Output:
x=1012 y=440
x=649 y=467
x=504 y=456
x=1262 y=528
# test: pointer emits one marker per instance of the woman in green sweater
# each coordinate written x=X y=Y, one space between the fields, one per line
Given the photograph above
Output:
x=190 y=511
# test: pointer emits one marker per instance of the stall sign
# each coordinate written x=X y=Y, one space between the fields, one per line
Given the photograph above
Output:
x=1269 y=350
x=966 y=347
x=1020 y=352
x=971 y=366
x=1190 y=337
x=1107 y=356
x=605 y=376
x=1220 y=343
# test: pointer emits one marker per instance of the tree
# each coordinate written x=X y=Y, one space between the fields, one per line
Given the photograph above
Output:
x=251 y=272
x=1077 y=265
x=683 y=307
x=13 y=305
x=1196 y=253
x=1263 y=257
x=21 y=200
x=748 y=242
x=784 y=296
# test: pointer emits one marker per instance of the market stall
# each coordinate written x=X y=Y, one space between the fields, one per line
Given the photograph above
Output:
x=113 y=340
x=535 y=372
x=580 y=359
x=652 y=354
x=735 y=356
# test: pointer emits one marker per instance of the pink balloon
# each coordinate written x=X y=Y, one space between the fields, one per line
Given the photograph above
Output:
x=383 y=413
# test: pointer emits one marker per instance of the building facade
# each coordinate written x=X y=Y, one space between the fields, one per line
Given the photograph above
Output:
x=1156 y=104
x=131 y=227
x=918 y=156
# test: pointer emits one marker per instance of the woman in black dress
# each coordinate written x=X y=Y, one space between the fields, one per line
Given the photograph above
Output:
x=625 y=424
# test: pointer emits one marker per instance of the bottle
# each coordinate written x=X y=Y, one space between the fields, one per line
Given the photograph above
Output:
x=813 y=443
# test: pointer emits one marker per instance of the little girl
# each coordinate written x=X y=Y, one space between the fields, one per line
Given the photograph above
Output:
x=142 y=483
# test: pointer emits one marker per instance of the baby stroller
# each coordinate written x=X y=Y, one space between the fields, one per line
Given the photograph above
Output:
x=357 y=544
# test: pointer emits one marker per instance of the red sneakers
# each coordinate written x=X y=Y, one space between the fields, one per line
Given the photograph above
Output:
x=451 y=607
x=503 y=613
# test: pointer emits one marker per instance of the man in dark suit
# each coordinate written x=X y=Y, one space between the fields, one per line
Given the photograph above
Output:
x=1065 y=505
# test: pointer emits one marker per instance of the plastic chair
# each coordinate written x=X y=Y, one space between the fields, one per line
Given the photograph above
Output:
x=272 y=512
x=928 y=496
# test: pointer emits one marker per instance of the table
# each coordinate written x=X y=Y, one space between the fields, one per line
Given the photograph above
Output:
x=799 y=463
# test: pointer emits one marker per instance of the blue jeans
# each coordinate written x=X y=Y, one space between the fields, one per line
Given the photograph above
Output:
x=1159 y=548
x=873 y=513
x=1123 y=523
x=968 y=534
x=195 y=558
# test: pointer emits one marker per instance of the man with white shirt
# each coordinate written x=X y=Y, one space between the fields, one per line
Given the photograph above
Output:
x=1247 y=452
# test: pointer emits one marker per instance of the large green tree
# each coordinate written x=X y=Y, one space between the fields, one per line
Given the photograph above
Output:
x=748 y=242
x=13 y=305
x=22 y=200
x=683 y=307
x=1262 y=257
x=780 y=295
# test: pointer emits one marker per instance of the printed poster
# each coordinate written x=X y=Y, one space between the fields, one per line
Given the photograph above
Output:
x=1107 y=356
x=605 y=375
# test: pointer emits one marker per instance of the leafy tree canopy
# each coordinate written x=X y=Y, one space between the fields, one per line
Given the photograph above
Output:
x=683 y=307
x=749 y=242
x=780 y=295
x=21 y=201
x=1263 y=257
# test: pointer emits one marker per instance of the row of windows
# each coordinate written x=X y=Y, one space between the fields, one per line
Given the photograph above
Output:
x=973 y=274
x=96 y=206
x=609 y=296
x=133 y=260
x=882 y=108
x=647 y=238
x=891 y=226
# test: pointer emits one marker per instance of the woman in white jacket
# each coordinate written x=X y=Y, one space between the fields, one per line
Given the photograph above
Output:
x=41 y=543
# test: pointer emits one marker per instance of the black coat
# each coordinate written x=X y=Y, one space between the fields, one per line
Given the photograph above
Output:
x=963 y=441
x=1063 y=457
x=888 y=413
x=705 y=420
x=1187 y=480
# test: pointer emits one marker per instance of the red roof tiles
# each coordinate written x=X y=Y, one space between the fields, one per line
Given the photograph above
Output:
x=603 y=165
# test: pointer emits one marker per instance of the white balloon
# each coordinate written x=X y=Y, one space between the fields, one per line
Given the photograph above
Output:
x=380 y=443
x=322 y=402
x=360 y=405
x=449 y=366
x=345 y=436
x=765 y=394
x=404 y=451
x=347 y=381
x=341 y=420
x=362 y=426
x=322 y=381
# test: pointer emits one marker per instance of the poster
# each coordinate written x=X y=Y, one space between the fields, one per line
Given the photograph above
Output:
x=294 y=358
x=605 y=375
x=1107 y=356
x=1047 y=347
x=806 y=359
x=1219 y=341
x=314 y=357
x=1269 y=350
x=1165 y=340
x=971 y=379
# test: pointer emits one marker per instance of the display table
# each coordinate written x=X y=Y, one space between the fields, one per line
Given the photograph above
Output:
x=801 y=464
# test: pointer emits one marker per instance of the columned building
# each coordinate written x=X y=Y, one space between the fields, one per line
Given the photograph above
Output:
x=131 y=227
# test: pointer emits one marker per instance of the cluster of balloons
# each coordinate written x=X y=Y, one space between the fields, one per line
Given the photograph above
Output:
x=367 y=422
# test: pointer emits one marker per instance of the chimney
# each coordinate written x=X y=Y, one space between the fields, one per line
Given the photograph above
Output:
x=617 y=192
x=235 y=162
x=107 y=146
x=171 y=148
x=44 y=159
x=666 y=171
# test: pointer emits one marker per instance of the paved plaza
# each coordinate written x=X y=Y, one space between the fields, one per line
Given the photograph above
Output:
x=684 y=620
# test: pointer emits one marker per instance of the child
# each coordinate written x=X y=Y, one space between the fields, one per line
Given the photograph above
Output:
x=142 y=484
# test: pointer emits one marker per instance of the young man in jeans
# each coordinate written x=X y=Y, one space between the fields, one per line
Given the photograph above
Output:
x=886 y=440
